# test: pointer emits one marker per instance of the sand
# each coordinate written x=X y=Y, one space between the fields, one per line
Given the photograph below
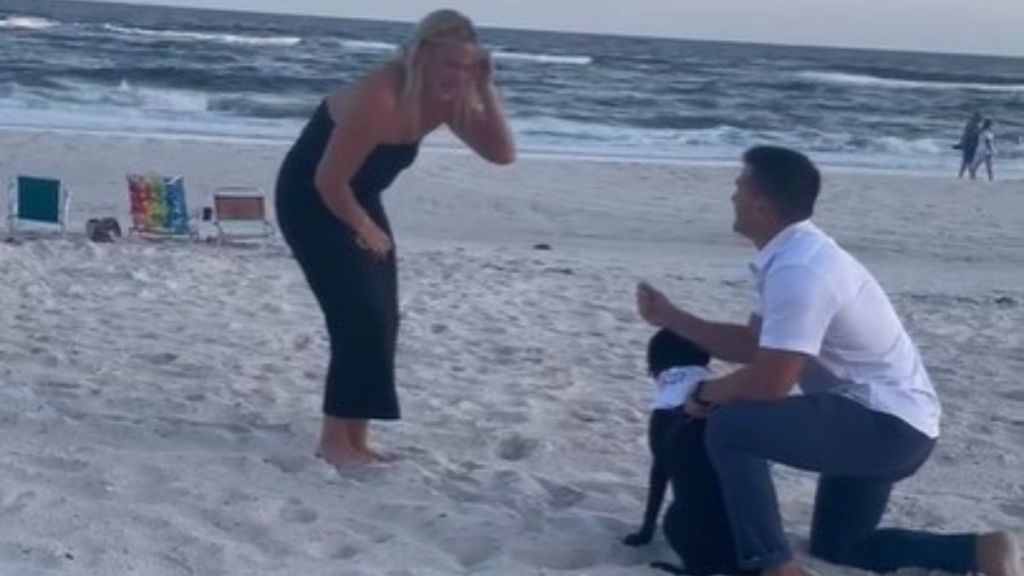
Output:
x=159 y=402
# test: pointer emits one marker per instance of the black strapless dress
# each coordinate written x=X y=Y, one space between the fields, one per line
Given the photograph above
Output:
x=358 y=294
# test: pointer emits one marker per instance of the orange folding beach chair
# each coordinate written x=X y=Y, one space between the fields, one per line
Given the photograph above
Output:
x=240 y=213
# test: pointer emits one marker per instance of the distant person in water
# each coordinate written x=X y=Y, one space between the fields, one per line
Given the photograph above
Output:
x=330 y=213
x=986 y=150
x=969 y=143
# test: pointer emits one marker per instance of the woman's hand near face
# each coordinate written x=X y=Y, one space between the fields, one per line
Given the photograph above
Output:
x=484 y=70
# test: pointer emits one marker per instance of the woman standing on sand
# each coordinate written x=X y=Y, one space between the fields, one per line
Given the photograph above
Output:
x=330 y=211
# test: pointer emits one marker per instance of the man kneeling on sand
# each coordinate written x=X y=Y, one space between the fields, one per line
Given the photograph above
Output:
x=868 y=416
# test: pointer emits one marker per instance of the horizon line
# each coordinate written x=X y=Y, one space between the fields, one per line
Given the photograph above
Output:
x=733 y=41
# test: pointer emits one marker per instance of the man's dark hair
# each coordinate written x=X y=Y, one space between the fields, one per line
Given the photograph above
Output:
x=669 y=350
x=788 y=178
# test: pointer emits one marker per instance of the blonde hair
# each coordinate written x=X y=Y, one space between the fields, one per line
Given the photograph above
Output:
x=438 y=27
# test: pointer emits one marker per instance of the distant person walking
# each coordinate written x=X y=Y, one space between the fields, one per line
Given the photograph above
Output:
x=969 y=143
x=985 y=150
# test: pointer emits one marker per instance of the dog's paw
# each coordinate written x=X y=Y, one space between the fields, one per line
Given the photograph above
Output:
x=670 y=568
x=641 y=538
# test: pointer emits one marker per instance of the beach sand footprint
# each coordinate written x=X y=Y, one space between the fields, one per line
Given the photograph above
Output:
x=158 y=358
x=249 y=532
x=58 y=390
x=555 y=555
x=471 y=549
x=1012 y=395
x=517 y=447
x=1013 y=508
x=289 y=463
x=15 y=504
x=561 y=496
x=294 y=511
x=56 y=463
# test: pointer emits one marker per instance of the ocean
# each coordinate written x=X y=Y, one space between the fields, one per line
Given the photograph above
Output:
x=193 y=73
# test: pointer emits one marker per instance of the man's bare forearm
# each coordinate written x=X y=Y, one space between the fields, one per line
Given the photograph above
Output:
x=728 y=342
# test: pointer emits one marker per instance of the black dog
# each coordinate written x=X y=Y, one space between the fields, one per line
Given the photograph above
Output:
x=696 y=524
x=664 y=351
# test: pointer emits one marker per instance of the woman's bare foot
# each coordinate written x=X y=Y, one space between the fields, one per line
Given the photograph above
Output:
x=358 y=434
x=382 y=457
x=998 y=555
x=335 y=447
x=342 y=455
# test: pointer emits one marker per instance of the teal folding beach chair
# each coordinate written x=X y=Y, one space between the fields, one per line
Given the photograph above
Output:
x=38 y=202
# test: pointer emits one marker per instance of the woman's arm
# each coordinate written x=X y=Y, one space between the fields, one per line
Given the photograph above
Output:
x=484 y=128
x=358 y=128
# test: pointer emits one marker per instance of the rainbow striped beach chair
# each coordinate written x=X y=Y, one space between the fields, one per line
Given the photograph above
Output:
x=159 y=207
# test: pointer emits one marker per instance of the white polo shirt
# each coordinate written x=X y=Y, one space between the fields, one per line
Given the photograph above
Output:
x=816 y=299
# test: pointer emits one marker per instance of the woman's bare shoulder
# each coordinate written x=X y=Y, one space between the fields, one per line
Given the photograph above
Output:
x=377 y=95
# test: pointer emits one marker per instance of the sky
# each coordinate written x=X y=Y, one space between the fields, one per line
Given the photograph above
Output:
x=961 y=26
